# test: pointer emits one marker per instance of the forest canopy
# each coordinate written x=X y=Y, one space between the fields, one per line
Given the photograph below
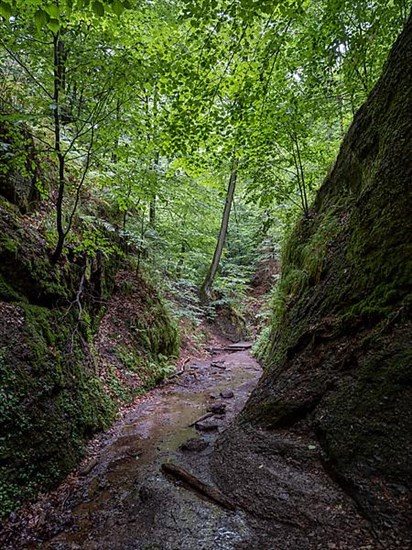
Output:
x=148 y=107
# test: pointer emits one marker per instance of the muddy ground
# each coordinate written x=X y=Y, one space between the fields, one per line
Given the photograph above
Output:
x=120 y=499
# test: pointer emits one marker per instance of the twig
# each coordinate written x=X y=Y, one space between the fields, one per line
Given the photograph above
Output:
x=180 y=372
x=80 y=292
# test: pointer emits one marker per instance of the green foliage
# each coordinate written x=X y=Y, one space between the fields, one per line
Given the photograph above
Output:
x=53 y=15
x=95 y=235
x=152 y=119
x=149 y=372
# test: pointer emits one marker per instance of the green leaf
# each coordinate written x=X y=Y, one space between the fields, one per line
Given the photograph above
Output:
x=53 y=10
x=117 y=7
x=40 y=19
x=54 y=25
x=98 y=8
x=5 y=10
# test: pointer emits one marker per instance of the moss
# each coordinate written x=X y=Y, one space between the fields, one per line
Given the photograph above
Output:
x=338 y=356
x=371 y=411
x=50 y=401
x=8 y=294
x=9 y=244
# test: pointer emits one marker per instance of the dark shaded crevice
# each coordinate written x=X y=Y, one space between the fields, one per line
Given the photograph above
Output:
x=299 y=413
x=347 y=486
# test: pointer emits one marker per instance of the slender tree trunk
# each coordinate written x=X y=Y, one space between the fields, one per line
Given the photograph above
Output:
x=57 y=77
x=302 y=179
x=152 y=206
x=210 y=277
x=300 y=176
x=116 y=139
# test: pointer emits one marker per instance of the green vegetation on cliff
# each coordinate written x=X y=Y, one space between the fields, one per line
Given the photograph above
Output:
x=338 y=357
x=54 y=387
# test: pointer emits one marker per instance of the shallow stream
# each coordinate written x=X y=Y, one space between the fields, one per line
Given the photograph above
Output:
x=120 y=499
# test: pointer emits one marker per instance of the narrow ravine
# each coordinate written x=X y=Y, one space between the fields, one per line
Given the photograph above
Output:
x=118 y=498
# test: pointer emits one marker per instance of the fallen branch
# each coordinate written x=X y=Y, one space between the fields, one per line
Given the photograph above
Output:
x=231 y=349
x=192 y=482
x=180 y=372
x=218 y=366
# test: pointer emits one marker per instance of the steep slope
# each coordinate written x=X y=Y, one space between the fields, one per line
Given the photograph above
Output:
x=339 y=359
x=59 y=382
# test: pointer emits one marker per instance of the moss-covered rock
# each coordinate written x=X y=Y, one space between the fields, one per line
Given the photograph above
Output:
x=50 y=400
x=19 y=166
x=136 y=339
x=338 y=359
x=54 y=392
x=50 y=396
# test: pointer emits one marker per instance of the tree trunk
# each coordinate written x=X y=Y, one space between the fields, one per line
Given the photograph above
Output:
x=152 y=204
x=114 y=158
x=57 y=78
x=211 y=274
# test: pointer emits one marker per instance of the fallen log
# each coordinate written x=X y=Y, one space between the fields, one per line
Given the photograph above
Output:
x=217 y=365
x=89 y=467
x=243 y=346
x=192 y=482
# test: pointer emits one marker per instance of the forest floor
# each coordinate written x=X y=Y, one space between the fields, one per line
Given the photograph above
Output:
x=119 y=498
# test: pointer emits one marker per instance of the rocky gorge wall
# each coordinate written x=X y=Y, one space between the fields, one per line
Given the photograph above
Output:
x=60 y=380
x=339 y=356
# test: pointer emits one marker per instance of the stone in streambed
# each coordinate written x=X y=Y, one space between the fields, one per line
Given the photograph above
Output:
x=195 y=444
x=207 y=425
x=227 y=394
x=217 y=408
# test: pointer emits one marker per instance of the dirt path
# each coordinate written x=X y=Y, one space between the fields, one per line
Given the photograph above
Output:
x=119 y=499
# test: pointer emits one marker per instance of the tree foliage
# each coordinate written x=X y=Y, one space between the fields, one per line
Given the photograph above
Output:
x=145 y=102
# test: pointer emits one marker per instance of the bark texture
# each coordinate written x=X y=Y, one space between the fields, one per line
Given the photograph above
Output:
x=211 y=274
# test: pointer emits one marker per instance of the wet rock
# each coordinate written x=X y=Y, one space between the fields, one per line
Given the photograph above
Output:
x=239 y=346
x=218 y=364
x=217 y=408
x=227 y=394
x=89 y=467
x=145 y=493
x=208 y=425
x=195 y=444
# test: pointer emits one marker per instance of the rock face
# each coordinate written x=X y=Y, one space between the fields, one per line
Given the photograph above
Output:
x=55 y=387
x=50 y=396
x=339 y=357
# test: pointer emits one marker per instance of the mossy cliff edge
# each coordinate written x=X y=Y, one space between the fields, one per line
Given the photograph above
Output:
x=56 y=390
x=339 y=357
